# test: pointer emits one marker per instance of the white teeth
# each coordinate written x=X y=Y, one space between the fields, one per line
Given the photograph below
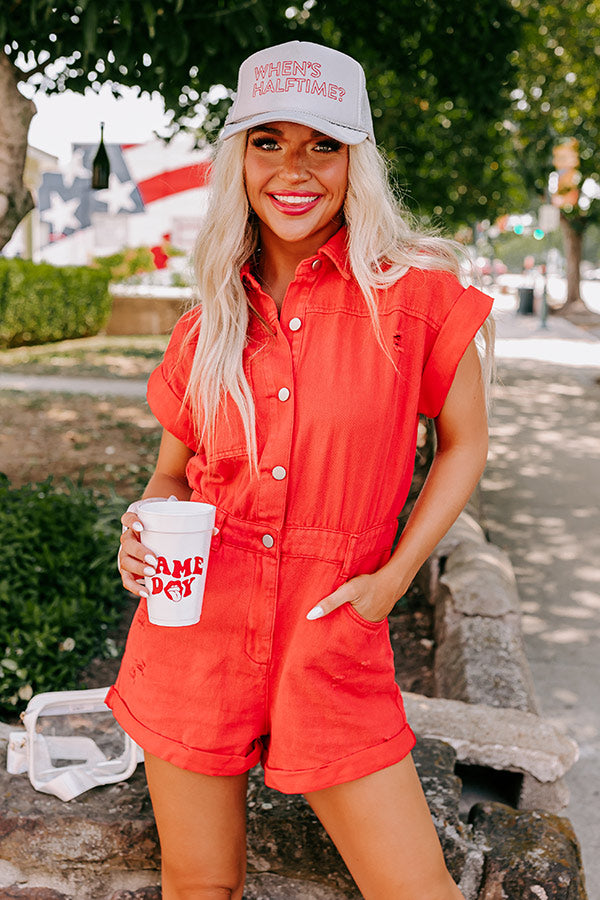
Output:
x=293 y=198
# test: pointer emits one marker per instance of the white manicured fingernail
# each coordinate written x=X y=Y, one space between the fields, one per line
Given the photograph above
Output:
x=149 y=570
x=137 y=526
x=151 y=560
x=144 y=595
x=316 y=613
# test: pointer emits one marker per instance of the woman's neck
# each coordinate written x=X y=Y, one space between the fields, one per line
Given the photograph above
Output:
x=275 y=276
x=278 y=261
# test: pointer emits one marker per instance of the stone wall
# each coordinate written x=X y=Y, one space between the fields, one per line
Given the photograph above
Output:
x=480 y=657
x=145 y=311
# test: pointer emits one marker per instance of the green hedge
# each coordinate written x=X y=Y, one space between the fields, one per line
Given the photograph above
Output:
x=61 y=596
x=40 y=303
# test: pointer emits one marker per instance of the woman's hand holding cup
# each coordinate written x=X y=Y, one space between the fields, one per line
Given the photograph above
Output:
x=134 y=561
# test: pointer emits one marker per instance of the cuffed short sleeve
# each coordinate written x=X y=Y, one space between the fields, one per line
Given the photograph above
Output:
x=167 y=383
x=461 y=323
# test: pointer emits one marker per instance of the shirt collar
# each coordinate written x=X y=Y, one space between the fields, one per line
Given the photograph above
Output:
x=248 y=278
x=336 y=249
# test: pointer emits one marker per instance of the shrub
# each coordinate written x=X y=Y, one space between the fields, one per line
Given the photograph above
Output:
x=41 y=303
x=60 y=592
x=132 y=261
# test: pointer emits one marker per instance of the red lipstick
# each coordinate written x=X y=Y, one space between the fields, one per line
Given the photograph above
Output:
x=294 y=203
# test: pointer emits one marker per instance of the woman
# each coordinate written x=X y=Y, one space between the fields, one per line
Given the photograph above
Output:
x=292 y=405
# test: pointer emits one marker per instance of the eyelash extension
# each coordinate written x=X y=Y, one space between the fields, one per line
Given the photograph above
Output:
x=329 y=144
x=259 y=141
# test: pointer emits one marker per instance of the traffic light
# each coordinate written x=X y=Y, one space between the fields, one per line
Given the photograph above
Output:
x=538 y=233
x=518 y=229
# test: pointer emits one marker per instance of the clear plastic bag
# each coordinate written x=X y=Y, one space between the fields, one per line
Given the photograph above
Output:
x=71 y=743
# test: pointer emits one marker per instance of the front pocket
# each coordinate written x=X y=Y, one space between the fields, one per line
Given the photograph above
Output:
x=366 y=623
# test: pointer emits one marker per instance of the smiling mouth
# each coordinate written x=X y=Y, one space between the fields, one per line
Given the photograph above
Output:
x=296 y=198
x=294 y=204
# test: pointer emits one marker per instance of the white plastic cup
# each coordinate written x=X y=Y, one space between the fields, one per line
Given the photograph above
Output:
x=179 y=533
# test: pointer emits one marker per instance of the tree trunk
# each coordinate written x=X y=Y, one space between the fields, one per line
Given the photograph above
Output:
x=573 y=240
x=17 y=113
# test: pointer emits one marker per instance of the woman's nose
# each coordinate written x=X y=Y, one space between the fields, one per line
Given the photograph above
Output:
x=295 y=167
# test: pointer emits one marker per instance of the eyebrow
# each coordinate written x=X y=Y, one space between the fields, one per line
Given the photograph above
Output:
x=270 y=129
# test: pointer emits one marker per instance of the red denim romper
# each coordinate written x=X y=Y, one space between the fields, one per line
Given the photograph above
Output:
x=315 y=701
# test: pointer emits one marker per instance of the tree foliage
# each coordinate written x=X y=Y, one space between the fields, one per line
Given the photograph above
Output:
x=555 y=100
x=556 y=96
x=439 y=72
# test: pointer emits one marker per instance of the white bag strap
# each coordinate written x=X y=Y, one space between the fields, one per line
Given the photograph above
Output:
x=73 y=781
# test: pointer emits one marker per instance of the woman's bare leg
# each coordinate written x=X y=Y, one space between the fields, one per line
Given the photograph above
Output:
x=201 y=821
x=382 y=827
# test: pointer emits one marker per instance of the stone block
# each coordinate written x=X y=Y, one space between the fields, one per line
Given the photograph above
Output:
x=481 y=581
x=146 y=893
x=274 y=887
x=111 y=827
x=85 y=849
x=504 y=739
x=528 y=854
x=480 y=657
x=285 y=838
x=550 y=796
x=466 y=530
x=14 y=892
x=257 y=887
x=482 y=660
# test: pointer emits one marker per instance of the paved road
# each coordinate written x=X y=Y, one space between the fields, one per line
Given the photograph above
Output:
x=541 y=501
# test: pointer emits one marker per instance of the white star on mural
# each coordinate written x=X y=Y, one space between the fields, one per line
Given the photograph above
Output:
x=61 y=213
x=75 y=169
x=117 y=195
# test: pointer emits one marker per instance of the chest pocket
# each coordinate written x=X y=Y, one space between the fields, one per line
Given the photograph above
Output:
x=226 y=454
x=229 y=440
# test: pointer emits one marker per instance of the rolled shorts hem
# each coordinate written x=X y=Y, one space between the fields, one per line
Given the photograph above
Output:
x=182 y=756
x=357 y=765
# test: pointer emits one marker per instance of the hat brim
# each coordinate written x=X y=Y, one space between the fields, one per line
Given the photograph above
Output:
x=300 y=117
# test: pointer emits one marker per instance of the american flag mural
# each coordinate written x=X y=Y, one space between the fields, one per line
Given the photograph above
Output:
x=152 y=187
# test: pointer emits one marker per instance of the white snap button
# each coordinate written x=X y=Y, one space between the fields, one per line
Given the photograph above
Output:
x=316 y=265
x=268 y=540
x=283 y=394
x=278 y=473
x=295 y=324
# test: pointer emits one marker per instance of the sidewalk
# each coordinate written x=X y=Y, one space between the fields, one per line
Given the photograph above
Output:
x=541 y=497
x=97 y=387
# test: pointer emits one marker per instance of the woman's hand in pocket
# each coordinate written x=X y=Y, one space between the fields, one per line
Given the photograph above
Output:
x=372 y=596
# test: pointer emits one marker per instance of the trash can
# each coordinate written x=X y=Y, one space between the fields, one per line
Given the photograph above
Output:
x=525 y=301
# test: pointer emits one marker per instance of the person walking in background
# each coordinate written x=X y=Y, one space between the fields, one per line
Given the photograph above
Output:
x=289 y=397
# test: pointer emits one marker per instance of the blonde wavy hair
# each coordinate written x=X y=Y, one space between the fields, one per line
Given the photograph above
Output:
x=382 y=242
